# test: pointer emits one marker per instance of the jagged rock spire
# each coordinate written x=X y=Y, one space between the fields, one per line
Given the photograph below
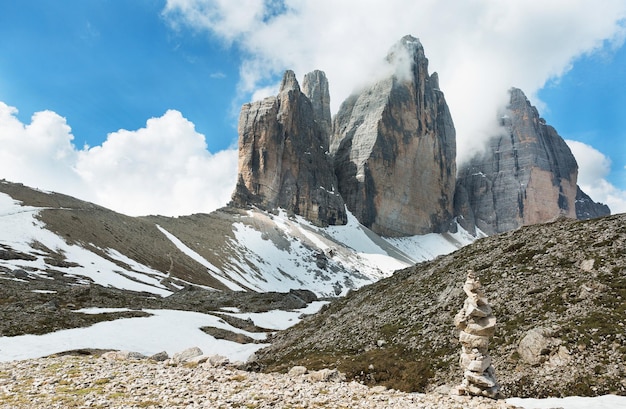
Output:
x=315 y=86
x=527 y=174
x=394 y=149
x=283 y=161
x=289 y=82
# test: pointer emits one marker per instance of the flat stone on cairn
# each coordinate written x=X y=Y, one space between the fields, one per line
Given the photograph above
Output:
x=477 y=324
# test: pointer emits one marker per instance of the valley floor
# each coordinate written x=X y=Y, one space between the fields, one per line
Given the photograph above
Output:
x=100 y=382
x=91 y=382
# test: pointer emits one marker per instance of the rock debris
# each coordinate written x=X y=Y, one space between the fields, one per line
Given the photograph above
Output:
x=97 y=382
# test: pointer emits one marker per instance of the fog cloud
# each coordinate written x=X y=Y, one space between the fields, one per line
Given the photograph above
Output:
x=480 y=49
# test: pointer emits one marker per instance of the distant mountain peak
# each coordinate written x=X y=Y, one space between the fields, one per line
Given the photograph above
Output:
x=389 y=155
x=527 y=175
x=394 y=149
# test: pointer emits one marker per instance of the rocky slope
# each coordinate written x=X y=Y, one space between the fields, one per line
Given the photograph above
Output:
x=283 y=161
x=394 y=149
x=557 y=291
x=526 y=175
x=79 y=382
x=50 y=235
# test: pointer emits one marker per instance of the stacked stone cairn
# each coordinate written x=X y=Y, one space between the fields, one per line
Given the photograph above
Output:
x=477 y=324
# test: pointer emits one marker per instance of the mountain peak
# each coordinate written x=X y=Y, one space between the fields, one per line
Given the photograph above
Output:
x=289 y=82
x=282 y=156
x=394 y=149
x=406 y=54
x=411 y=43
x=315 y=87
x=528 y=175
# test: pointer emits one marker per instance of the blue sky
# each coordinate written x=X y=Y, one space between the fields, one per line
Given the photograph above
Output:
x=588 y=104
x=110 y=65
x=151 y=89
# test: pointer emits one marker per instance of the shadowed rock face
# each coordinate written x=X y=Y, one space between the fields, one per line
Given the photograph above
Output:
x=394 y=149
x=282 y=155
x=527 y=174
x=315 y=86
x=586 y=208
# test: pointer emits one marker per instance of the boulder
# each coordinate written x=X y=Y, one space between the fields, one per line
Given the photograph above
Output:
x=538 y=346
x=160 y=356
x=326 y=375
x=297 y=371
x=186 y=355
x=217 y=360
x=122 y=355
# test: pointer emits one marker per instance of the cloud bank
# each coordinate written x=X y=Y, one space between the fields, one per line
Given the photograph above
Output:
x=164 y=168
x=479 y=48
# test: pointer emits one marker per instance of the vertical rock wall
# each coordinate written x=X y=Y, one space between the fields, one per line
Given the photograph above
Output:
x=389 y=155
x=527 y=175
x=315 y=87
x=394 y=149
x=283 y=160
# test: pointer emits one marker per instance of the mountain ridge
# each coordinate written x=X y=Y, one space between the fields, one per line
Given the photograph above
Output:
x=390 y=157
x=231 y=249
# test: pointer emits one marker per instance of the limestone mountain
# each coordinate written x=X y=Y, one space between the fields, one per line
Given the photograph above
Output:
x=283 y=160
x=394 y=149
x=389 y=155
x=526 y=175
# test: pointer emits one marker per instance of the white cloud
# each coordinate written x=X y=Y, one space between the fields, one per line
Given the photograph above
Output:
x=593 y=168
x=39 y=154
x=480 y=48
x=164 y=168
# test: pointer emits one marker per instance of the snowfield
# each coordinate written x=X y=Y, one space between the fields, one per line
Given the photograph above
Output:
x=20 y=230
x=572 y=402
x=166 y=330
x=268 y=253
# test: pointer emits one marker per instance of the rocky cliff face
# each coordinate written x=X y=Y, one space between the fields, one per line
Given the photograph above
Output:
x=315 y=86
x=527 y=175
x=389 y=155
x=283 y=161
x=586 y=208
x=394 y=149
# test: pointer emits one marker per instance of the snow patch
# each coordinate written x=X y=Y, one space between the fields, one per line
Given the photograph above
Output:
x=213 y=270
x=278 y=319
x=571 y=402
x=165 y=330
x=20 y=229
x=429 y=246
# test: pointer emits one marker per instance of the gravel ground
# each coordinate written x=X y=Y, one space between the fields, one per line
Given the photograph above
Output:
x=96 y=382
